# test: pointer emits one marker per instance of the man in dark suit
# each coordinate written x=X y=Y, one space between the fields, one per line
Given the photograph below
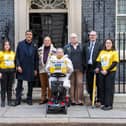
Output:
x=90 y=53
x=26 y=66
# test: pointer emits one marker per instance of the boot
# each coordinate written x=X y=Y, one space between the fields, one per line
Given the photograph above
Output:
x=43 y=100
x=29 y=102
x=43 y=94
x=17 y=102
x=2 y=103
x=10 y=103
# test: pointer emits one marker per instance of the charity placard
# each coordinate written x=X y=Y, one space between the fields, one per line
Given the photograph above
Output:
x=58 y=67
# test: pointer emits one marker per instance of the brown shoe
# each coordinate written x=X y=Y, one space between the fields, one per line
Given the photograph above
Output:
x=43 y=101
x=98 y=104
x=80 y=103
x=89 y=103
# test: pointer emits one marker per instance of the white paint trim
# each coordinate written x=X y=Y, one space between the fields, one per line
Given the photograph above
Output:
x=120 y=15
x=21 y=20
x=16 y=13
x=48 y=11
x=27 y=10
x=75 y=17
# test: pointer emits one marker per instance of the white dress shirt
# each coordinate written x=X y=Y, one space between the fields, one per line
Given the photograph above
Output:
x=91 y=48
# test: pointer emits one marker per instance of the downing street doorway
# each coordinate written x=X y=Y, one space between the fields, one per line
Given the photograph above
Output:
x=54 y=25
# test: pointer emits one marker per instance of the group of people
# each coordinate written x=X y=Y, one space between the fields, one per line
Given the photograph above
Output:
x=82 y=60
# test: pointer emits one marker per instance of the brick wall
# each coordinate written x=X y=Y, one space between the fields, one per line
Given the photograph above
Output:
x=7 y=20
x=96 y=15
x=100 y=16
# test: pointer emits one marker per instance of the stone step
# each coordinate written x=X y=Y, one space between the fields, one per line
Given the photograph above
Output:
x=118 y=98
x=64 y=122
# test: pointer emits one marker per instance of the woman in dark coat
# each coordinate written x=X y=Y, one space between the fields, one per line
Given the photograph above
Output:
x=26 y=65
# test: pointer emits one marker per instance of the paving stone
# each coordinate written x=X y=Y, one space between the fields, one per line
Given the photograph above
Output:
x=25 y=111
x=111 y=114
x=2 y=111
x=78 y=112
x=78 y=108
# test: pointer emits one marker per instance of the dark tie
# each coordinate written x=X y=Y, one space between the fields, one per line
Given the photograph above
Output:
x=90 y=49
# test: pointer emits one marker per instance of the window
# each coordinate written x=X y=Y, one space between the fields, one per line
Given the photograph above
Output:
x=121 y=24
x=48 y=4
x=121 y=6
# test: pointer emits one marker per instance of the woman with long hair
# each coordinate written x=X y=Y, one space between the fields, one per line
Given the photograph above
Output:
x=107 y=66
x=7 y=72
x=45 y=52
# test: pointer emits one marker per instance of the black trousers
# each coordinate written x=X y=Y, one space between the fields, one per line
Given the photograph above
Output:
x=107 y=90
x=89 y=82
x=6 y=85
x=20 y=88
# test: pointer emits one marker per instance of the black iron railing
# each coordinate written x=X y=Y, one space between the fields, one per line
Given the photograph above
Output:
x=120 y=86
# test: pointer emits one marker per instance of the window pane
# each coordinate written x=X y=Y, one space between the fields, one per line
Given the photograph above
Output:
x=121 y=24
x=121 y=41
x=122 y=6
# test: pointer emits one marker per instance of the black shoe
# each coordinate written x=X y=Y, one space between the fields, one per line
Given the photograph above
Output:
x=81 y=104
x=29 y=102
x=10 y=103
x=107 y=108
x=102 y=106
x=17 y=103
x=2 y=104
x=73 y=103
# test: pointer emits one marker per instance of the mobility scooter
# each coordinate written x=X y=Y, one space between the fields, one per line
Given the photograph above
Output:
x=59 y=101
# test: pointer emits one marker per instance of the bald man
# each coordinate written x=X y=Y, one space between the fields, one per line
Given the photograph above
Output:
x=74 y=50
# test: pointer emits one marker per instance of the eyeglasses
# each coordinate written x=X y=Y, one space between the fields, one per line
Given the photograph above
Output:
x=92 y=35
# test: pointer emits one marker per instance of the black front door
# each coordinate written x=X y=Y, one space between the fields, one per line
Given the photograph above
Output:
x=53 y=25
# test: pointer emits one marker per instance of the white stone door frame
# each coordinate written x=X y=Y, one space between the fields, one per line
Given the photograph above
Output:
x=22 y=17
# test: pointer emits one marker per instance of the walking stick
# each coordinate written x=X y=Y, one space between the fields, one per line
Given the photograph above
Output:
x=94 y=90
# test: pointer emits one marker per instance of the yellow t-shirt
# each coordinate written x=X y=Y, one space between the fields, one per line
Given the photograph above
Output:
x=7 y=59
x=106 y=58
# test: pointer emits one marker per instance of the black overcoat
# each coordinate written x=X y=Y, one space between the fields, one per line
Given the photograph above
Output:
x=26 y=58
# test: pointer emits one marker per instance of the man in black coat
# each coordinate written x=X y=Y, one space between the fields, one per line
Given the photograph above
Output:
x=26 y=66
x=90 y=53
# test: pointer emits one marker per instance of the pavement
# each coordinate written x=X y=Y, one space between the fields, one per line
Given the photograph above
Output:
x=36 y=114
